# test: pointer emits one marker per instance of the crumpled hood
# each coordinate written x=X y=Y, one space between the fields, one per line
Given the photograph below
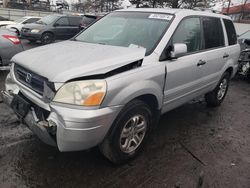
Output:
x=67 y=60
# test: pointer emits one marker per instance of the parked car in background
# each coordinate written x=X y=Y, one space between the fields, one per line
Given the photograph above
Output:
x=21 y=22
x=3 y=18
x=108 y=86
x=52 y=27
x=9 y=46
x=244 y=59
x=4 y=23
x=88 y=20
x=241 y=39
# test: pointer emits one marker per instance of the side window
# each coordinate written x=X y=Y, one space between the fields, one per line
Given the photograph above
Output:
x=213 y=33
x=231 y=34
x=189 y=33
x=63 y=22
x=31 y=20
x=74 y=21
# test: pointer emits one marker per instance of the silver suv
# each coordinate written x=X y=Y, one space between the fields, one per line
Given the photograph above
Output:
x=108 y=86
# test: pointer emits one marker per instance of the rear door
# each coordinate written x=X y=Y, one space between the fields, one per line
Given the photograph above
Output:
x=215 y=51
x=233 y=48
x=74 y=25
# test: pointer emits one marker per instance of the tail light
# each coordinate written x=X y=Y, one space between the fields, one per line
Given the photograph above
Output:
x=13 y=39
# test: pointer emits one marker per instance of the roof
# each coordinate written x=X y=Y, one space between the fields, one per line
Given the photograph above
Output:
x=184 y=12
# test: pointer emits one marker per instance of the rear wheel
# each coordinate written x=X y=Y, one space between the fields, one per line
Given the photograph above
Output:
x=47 y=38
x=216 y=97
x=128 y=133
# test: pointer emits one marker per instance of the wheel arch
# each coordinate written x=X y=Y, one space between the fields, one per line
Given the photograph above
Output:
x=48 y=32
x=230 y=70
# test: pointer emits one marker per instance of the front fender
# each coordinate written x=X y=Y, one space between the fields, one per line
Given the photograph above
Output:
x=128 y=86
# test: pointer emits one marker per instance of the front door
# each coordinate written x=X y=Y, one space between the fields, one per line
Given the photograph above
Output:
x=62 y=28
x=183 y=80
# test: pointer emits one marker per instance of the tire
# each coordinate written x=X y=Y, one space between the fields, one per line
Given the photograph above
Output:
x=114 y=145
x=47 y=38
x=216 y=97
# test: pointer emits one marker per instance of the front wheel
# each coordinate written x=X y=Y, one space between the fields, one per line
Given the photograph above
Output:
x=216 y=97
x=128 y=133
x=47 y=38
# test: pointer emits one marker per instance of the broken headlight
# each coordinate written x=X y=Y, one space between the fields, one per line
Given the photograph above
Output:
x=85 y=93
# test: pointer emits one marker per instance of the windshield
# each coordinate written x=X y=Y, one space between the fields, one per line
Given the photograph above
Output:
x=245 y=35
x=20 y=20
x=47 y=19
x=127 y=29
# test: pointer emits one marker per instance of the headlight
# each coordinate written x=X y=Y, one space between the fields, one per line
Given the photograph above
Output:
x=85 y=93
x=35 y=31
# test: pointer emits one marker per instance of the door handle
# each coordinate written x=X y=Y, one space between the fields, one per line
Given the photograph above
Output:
x=201 y=62
x=226 y=55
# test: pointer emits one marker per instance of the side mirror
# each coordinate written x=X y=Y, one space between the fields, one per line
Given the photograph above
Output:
x=56 y=24
x=178 y=49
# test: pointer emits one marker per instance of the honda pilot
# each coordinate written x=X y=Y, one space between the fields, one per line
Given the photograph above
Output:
x=108 y=86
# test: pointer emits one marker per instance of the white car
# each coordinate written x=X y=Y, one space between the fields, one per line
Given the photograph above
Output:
x=18 y=24
x=4 y=23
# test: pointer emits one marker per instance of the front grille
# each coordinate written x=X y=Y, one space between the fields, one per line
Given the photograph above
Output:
x=30 y=79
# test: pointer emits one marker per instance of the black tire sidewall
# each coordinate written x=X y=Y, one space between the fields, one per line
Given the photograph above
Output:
x=48 y=34
x=211 y=98
x=135 y=108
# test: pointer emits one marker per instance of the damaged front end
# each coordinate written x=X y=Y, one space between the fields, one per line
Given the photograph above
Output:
x=68 y=127
x=28 y=112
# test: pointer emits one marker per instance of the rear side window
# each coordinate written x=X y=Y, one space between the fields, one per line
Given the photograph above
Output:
x=231 y=34
x=75 y=21
x=189 y=33
x=213 y=33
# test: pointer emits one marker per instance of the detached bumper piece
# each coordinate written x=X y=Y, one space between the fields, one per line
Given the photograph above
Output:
x=31 y=116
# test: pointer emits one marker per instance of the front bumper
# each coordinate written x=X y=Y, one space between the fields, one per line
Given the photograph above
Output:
x=76 y=129
x=30 y=36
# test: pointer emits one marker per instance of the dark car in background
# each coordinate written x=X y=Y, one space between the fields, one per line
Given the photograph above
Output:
x=10 y=45
x=242 y=37
x=52 y=27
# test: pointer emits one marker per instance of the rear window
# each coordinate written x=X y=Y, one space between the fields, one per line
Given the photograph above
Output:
x=74 y=21
x=231 y=34
x=213 y=33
